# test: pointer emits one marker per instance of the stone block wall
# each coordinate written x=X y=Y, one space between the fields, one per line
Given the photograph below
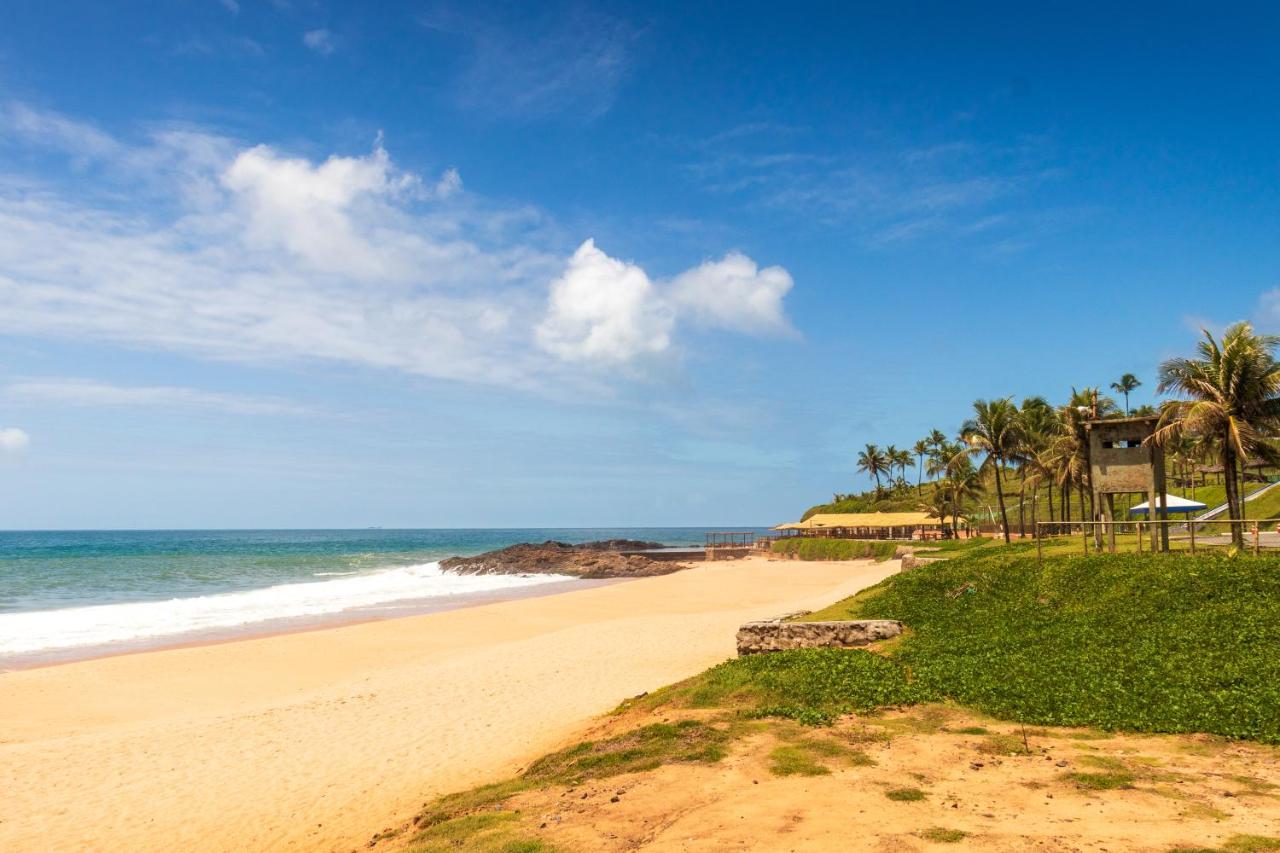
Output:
x=777 y=636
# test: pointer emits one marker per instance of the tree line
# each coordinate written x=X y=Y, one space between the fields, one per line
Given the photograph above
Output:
x=1225 y=406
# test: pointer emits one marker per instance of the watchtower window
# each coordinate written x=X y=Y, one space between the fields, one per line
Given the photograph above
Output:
x=1108 y=445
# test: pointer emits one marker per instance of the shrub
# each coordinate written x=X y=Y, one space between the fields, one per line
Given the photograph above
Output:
x=835 y=549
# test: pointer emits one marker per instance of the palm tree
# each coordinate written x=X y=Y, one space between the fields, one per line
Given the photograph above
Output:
x=902 y=459
x=939 y=503
x=891 y=461
x=1233 y=392
x=920 y=448
x=871 y=462
x=964 y=483
x=1072 y=453
x=995 y=433
x=1127 y=383
x=1038 y=424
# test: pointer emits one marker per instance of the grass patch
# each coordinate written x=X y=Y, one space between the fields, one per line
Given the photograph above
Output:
x=970 y=730
x=835 y=549
x=643 y=749
x=795 y=760
x=1237 y=844
x=811 y=686
x=485 y=833
x=943 y=836
x=905 y=795
x=1111 y=780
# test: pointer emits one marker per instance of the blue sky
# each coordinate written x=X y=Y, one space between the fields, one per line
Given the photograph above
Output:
x=309 y=264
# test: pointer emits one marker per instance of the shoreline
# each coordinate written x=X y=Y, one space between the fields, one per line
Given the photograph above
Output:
x=284 y=626
x=316 y=740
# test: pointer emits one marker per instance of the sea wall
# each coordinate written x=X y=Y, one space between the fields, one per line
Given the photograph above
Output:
x=777 y=636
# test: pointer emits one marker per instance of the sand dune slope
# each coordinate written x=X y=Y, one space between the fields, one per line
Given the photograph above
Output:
x=313 y=741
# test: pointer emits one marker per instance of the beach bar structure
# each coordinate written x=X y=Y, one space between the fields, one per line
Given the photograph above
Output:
x=868 y=525
x=1121 y=462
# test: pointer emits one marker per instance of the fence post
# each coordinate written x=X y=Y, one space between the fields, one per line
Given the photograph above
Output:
x=1255 y=539
x=1039 y=546
x=1084 y=534
x=1139 y=524
x=1192 y=528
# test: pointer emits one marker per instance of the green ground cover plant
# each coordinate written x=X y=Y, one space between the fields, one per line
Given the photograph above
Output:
x=905 y=795
x=1156 y=643
x=835 y=549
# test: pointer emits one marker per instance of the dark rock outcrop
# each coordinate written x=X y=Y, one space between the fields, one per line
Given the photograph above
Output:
x=560 y=558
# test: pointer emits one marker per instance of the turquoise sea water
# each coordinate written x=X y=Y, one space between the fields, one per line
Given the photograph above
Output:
x=99 y=589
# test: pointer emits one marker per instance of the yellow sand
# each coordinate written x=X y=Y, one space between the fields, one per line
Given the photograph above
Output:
x=315 y=740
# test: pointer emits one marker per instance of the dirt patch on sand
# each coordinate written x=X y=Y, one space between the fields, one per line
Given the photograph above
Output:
x=917 y=780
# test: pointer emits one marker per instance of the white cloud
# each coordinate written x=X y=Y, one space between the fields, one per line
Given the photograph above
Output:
x=604 y=310
x=608 y=311
x=21 y=123
x=13 y=440
x=734 y=293
x=89 y=393
x=231 y=6
x=320 y=40
x=192 y=242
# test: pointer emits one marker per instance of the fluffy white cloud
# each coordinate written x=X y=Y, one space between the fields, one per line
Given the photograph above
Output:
x=604 y=310
x=13 y=439
x=734 y=293
x=194 y=243
x=86 y=392
x=608 y=311
x=319 y=40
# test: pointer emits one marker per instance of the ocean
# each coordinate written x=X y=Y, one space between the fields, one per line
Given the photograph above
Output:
x=75 y=594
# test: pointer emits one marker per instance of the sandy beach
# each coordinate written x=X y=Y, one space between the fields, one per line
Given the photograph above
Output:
x=316 y=740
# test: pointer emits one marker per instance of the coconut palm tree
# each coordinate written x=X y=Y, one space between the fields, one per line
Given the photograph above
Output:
x=871 y=461
x=902 y=460
x=938 y=503
x=994 y=432
x=1085 y=404
x=1038 y=425
x=1127 y=383
x=891 y=462
x=964 y=484
x=1232 y=393
x=920 y=448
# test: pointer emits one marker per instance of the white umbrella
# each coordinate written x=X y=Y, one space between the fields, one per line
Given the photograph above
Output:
x=1173 y=504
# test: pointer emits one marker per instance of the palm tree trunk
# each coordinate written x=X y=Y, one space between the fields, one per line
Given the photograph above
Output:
x=1233 y=496
x=919 y=474
x=1022 y=508
x=1050 y=493
x=1004 y=516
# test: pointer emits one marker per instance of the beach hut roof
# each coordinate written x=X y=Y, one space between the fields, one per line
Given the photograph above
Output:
x=868 y=519
x=1173 y=503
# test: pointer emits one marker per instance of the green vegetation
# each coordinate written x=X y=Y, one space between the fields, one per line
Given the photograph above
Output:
x=905 y=795
x=1104 y=781
x=835 y=549
x=944 y=836
x=642 y=749
x=487 y=833
x=1158 y=643
x=812 y=686
x=1035 y=456
x=1237 y=844
x=476 y=819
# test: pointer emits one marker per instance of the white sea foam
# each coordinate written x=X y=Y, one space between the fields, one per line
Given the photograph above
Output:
x=105 y=624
